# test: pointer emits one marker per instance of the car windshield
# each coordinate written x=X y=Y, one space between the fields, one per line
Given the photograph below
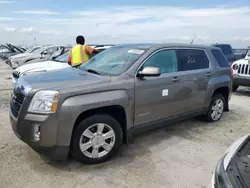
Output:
x=248 y=53
x=113 y=61
x=32 y=49
x=35 y=49
x=226 y=49
x=62 y=58
x=29 y=50
x=40 y=50
x=56 y=53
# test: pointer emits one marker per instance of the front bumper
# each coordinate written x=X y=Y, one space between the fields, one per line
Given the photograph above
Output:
x=25 y=128
x=13 y=63
x=7 y=61
x=220 y=179
x=241 y=80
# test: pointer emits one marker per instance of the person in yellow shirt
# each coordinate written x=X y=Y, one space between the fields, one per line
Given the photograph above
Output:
x=80 y=53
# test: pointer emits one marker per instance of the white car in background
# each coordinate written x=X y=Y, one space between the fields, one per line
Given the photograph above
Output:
x=23 y=58
x=58 y=63
x=241 y=72
x=27 y=52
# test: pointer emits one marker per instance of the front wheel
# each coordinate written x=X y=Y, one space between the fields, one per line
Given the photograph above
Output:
x=216 y=108
x=96 y=139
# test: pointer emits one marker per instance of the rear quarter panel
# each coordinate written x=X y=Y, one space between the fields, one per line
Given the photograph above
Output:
x=220 y=78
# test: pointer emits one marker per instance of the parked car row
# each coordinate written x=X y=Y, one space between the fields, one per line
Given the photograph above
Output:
x=36 y=54
x=55 y=62
x=9 y=50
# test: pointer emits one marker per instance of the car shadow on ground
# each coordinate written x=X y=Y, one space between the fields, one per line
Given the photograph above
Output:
x=140 y=146
x=243 y=92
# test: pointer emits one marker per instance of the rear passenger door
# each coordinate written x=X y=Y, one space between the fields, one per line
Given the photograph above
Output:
x=195 y=67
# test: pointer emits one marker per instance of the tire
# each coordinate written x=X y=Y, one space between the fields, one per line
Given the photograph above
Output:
x=88 y=156
x=235 y=87
x=209 y=115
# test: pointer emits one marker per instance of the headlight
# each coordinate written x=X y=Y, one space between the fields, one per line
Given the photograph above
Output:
x=235 y=66
x=44 y=102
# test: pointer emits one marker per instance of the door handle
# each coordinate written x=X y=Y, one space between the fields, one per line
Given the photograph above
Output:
x=208 y=74
x=175 y=79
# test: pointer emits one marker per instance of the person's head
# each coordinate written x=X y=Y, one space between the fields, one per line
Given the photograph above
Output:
x=80 y=40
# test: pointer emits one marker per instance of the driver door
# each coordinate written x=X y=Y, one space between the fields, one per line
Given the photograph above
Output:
x=155 y=97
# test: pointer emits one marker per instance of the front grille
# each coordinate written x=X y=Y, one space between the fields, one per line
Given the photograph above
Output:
x=244 y=69
x=17 y=99
x=16 y=74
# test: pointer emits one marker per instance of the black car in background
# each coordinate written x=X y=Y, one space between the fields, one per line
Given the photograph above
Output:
x=227 y=50
x=240 y=53
x=233 y=169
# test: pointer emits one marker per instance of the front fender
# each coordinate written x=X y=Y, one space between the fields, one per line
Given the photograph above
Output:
x=72 y=107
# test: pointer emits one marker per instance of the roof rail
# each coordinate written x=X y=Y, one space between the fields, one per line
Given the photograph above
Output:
x=100 y=45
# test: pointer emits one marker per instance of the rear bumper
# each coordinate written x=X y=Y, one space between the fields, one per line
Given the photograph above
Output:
x=241 y=80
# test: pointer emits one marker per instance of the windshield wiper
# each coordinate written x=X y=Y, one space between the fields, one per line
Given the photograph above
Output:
x=92 y=71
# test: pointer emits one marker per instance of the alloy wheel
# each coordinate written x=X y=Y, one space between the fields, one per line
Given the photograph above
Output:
x=217 y=109
x=97 y=140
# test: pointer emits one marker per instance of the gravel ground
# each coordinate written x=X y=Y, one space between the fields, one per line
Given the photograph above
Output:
x=178 y=156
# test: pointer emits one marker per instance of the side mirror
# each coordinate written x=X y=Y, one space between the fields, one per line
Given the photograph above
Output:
x=149 y=72
x=45 y=53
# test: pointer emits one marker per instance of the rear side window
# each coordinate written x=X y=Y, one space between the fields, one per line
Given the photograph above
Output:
x=220 y=58
x=192 y=59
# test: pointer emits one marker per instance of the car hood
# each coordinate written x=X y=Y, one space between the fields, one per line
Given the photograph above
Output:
x=20 y=55
x=29 y=55
x=41 y=66
x=35 y=61
x=62 y=79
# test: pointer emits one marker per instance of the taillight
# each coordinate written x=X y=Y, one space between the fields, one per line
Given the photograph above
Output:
x=231 y=71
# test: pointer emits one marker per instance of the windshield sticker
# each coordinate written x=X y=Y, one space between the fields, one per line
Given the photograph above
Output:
x=136 y=51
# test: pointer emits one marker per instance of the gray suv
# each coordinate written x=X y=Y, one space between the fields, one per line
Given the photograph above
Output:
x=89 y=112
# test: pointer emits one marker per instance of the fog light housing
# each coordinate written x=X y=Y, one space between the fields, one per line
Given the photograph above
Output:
x=235 y=66
x=36 y=132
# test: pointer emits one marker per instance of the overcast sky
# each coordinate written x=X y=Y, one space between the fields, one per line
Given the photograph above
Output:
x=120 y=21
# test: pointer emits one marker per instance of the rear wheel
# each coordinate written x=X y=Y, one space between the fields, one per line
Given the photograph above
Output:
x=96 y=139
x=235 y=87
x=216 y=108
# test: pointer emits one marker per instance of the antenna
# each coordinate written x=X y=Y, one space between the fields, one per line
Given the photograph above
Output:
x=193 y=39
